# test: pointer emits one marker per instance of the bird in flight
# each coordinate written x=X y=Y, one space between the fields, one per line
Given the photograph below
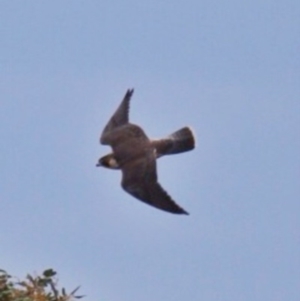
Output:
x=135 y=154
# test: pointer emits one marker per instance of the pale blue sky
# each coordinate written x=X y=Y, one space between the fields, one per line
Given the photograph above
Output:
x=230 y=69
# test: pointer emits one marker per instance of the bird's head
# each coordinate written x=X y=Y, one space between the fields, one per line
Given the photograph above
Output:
x=108 y=161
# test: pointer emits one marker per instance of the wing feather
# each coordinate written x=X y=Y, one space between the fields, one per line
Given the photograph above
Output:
x=140 y=180
x=119 y=118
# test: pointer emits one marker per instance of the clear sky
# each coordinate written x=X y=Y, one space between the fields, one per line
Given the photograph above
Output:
x=230 y=69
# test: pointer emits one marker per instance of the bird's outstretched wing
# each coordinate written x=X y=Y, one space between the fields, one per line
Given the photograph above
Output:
x=119 y=118
x=140 y=180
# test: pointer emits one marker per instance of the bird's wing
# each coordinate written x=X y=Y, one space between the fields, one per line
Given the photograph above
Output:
x=140 y=180
x=180 y=141
x=119 y=118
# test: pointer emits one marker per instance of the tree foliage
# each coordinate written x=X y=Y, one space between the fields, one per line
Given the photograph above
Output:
x=34 y=288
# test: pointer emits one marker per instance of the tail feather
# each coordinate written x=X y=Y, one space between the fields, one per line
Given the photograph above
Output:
x=183 y=140
x=178 y=142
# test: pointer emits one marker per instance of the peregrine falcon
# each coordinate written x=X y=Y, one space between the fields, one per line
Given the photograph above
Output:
x=135 y=154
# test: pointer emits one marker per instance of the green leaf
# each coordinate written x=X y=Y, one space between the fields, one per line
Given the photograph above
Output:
x=79 y=297
x=30 y=278
x=74 y=291
x=49 y=273
x=63 y=291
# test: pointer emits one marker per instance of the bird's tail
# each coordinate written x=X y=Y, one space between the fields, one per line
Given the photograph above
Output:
x=180 y=141
x=183 y=140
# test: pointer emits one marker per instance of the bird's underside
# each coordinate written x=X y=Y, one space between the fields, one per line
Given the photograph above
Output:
x=176 y=143
x=136 y=156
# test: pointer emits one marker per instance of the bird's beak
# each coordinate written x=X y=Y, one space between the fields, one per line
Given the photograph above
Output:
x=98 y=164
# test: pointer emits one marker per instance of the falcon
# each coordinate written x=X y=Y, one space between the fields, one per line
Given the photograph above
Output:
x=135 y=155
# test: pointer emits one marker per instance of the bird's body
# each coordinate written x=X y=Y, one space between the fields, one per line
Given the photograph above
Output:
x=135 y=154
x=136 y=145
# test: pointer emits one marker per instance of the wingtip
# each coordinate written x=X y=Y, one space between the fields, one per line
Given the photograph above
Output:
x=129 y=92
x=184 y=212
x=179 y=210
